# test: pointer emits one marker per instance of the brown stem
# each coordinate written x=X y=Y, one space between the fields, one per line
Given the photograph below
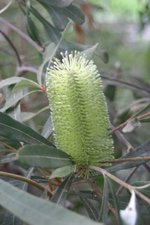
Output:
x=25 y=179
x=22 y=35
x=126 y=159
x=124 y=184
x=13 y=47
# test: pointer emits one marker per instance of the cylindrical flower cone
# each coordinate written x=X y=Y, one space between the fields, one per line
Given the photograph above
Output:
x=78 y=110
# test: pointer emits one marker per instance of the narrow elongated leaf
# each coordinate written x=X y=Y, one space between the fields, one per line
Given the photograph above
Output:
x=48 y=55
x=92 y=211
x=115 y=200
x=89 y=52
x=63 y=171
x=25 y=116
x=36 y=211
x=104 y=203
x=51 y=31
x=15 y=98
x=33 y=31
x=58 y=17
x=27 y=84
x=10 y=81
x=74 y=13
x=19 y=132
x=47 y=128
x=43 y=156
x=61 y=194
x=56 y=3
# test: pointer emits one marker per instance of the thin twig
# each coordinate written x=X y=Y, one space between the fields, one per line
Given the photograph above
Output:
x=13 y=47
x=25 y=179
x=138 y=118
x=124 y=184
x=23 y=69
x=8 y=146
x=22 y=35
x=127 y=179
x=144 y=158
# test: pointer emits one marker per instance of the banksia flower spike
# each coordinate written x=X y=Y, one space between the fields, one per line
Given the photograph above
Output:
x=78 y=110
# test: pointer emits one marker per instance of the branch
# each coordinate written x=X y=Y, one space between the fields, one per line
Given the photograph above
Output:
x=25 y=179
x=22 y=35
x=144 y=158
x=23 y=69
x=124 y=184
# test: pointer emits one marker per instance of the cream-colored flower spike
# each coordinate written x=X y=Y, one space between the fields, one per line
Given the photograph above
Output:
x=78 y=109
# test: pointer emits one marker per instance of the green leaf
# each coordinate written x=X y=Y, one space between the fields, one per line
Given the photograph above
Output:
x=26 y=83
x=48 y=55
x=15 y=98
x=63 y=171
x=58 y=17
x=25 y=116
x=36 y=211
x=56 y=3
x=62 y=191
x=10 y=81
x=43 y=156
x=51 y=31
x=115 y=200
x=92 y=211
x=14 y=130
x=104 y=203
x=47 y=128
x=74 y=13
x=32 y=30
x=90 y=51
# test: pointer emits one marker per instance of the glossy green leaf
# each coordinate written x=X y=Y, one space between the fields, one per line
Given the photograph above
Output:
x=14 y=130
x=36 y=211
x=43 y=156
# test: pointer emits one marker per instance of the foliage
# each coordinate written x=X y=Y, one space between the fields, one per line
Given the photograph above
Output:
x=39 y=183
